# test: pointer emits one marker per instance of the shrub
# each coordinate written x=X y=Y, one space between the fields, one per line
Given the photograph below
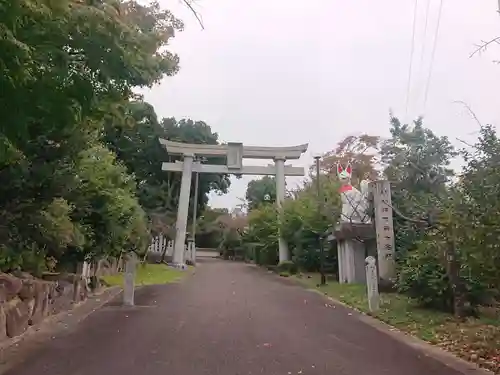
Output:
x=423 y=278
x=307 y=258
x=288 y=267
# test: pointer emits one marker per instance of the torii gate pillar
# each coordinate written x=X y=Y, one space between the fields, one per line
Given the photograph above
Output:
x=284 y=254
x=183 y=210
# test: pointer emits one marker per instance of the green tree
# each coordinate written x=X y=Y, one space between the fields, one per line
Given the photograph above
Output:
x=417 y=163
x=135 y=139
x=479 y=224
x=429 y=224
x=67 y=67
x=305 y=218
x=262 y=235
x=209 y=232
x=261 y=191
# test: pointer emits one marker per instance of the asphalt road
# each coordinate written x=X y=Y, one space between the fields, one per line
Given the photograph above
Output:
x=227 y=319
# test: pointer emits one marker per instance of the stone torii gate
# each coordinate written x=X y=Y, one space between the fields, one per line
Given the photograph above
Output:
x=234 y=154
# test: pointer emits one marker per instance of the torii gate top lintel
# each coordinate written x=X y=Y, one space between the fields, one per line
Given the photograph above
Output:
x=247 y=152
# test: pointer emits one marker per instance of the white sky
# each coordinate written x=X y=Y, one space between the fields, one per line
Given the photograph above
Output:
x=286 y=72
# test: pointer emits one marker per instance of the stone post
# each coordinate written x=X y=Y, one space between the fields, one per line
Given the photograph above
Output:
x=192 y=252
x=372 y=284
x=129 y=279
x=341 y=261
x=170 y=248
x=385 y=232
x=182 y=212
x=280 y=197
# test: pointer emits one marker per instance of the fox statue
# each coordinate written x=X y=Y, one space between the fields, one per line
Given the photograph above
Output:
x=354 y=201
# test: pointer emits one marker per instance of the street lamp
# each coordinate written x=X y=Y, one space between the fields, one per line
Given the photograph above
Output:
x=317 y=159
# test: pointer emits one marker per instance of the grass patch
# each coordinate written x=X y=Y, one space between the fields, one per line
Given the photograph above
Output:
x=477 y=340
x=149 y=274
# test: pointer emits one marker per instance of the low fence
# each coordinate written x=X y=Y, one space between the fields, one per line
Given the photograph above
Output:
x=163 y=249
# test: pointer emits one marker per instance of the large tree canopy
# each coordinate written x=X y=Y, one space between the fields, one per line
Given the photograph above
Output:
x=80 y=160
x=136 y=144
x=261 y=191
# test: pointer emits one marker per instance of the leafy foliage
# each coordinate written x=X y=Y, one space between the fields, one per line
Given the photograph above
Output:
x=359 y=150
x=136 y=144
x=302 y=224
x=261 y=191
x=79 y=155
x=445 y=223
x=416 y=162
x=441 y=222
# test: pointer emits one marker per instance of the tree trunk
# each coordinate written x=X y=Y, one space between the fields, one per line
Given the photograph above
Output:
x=456 y=283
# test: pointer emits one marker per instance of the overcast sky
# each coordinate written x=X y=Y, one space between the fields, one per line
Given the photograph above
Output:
x=286 y=72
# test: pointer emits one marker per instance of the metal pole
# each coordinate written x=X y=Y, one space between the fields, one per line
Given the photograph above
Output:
x=320 y=240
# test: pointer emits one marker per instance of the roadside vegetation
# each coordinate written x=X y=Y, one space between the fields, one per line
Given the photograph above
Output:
x=80 y=161
x=446 y=226
x=476 y=340
x=149 y=274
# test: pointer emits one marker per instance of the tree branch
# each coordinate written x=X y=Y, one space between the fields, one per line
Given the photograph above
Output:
x=189 y=4
x=471 y=112
x=482 y=47
x=465 y=143
x=402 y=216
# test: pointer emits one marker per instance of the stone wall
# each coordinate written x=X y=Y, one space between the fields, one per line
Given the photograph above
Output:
x=26 y=301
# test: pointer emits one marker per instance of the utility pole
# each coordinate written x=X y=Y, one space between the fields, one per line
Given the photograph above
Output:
x=320 y=217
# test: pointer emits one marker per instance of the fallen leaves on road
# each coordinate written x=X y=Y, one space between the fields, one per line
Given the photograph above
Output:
x=265 y=345
x=473 y=341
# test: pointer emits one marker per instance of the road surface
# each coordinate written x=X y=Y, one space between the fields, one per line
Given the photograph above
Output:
x=227 y=319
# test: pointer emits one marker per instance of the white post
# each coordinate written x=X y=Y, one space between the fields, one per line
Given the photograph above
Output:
x=170 y=248
x=187 y=252
x=182 y=212
x=372 y=284
x=193 y=252
x=129 y=280
x=280 y=197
